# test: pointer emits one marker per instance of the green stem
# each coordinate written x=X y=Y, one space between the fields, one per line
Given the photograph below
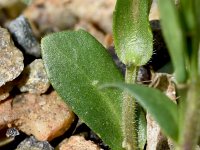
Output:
x=128 y=113
x=191 y=123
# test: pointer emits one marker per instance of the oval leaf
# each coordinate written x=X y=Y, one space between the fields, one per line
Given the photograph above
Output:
x=162 y=109
x=76 y=63
x=132 y=34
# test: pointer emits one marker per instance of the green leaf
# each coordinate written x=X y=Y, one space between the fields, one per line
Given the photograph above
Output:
x=141 y=124
x=132 y=34
x=162 y=109
x=174 y=37
x=76 y=63
x=197 y=14
x=190 y=20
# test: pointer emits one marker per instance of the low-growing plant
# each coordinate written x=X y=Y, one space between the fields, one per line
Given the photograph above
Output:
x=82 y=72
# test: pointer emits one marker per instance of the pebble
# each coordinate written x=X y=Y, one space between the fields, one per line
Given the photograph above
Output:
x=77 y=143
x=11 y=62
x=31 y=143
x=44 y=116
x=34 y=78
x=23 y=36
x=12 y=132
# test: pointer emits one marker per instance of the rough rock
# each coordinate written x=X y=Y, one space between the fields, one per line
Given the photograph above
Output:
x=11 y=62
x=23 y=36
x=155 y=138
x=45 y=117
x=12 y=132
x=34 y=78
x=32 y=144
x=77 y=143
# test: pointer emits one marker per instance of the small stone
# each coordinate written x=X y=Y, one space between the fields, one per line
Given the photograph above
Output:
x=12 y=132
x=23 y=36
x=77 y=143
x=34 y=78
x=45 y=117
x=32 y=144
x=11 y=62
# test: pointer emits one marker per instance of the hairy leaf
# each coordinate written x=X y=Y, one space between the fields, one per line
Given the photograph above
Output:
x=141 y=124
x=132 y=34
x=76 y=64
x=162 y=109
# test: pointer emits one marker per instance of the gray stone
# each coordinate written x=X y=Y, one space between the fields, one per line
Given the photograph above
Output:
x=34 y=78
x=23 y=35
x=12 y=132
x=11 y=62
x=32 y=144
